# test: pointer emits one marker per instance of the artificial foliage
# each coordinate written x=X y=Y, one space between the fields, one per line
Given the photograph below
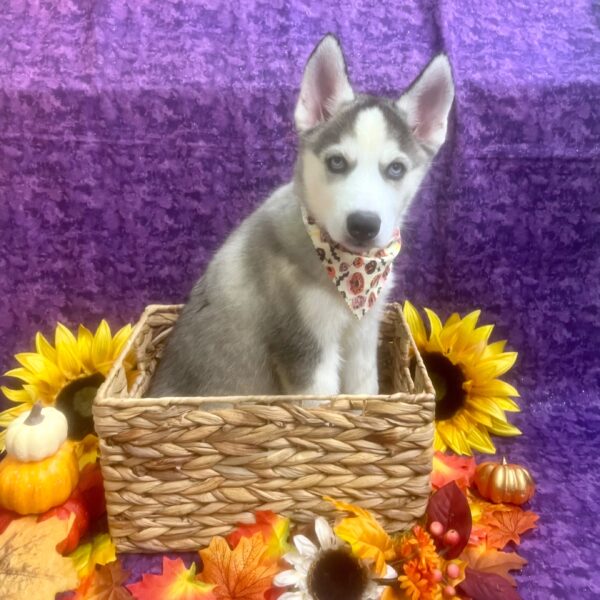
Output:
x=30 y=566
x=176 y=582
x=489 y=560
x=96 y=551
x=365 y=535
x=242 y=573
x=464 y=546
x=507 y=526
x=106 y=582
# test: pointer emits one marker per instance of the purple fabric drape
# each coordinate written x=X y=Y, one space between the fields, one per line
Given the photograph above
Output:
x=136 y=135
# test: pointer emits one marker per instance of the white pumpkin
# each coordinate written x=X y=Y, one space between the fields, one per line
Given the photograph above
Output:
x=36 y=434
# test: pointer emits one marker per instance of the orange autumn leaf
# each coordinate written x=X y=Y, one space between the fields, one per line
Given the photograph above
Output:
x=506 y=526
x=479 y=507
x=30 y=567
x=176 y=582
x=490 y=560
x=104 y=583
x=244 y=573
x=274 y=529
x=365 y=535
x=478 y=534
x=449 y=467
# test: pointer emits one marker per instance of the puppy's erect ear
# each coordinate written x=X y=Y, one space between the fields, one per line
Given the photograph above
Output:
x=325 y=85
x=427 y=102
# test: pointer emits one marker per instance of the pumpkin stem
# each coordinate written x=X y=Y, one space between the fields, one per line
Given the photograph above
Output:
x=504 y=463
x=35 y=416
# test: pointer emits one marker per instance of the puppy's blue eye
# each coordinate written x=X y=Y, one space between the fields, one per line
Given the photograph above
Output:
x=395 y=170
x=337 y=164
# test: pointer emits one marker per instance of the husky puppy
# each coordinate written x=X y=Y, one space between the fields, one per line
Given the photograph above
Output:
x=265 y=317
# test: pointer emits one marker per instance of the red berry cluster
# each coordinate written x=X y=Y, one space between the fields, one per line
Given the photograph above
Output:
x=448 y=539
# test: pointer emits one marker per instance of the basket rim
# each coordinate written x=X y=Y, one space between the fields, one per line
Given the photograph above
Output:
x=103 y=398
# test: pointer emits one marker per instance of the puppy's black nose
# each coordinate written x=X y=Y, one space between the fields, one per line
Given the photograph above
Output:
x=363 y=225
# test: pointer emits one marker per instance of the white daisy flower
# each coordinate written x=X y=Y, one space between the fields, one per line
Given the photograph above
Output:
x=328 y=571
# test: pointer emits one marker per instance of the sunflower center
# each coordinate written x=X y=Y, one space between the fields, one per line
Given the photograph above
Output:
x=448 y=382
x=337 y=575
x=75 y=401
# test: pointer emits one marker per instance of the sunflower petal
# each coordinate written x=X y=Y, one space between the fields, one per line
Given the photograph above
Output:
x=416 y=325
x=476 y=346
x=461 y=420
x=449 y=335
x=44 y=347
x=480 y=417
x=8 y=416
x=504 y=429
x=16 y=395
x=22 y=374
x=467 y=325
x=119 y=340
x=435 y=324
x=488 y=406
x=493 y=349
x=508 y=404
x=85 y=339
x=453 y=319
x=41 y=390
x=453 y=437
x=34 y=393
x=481 y=334
x=438 y=442
x=44 y=369
x=101 y=346
x=67 y=352
x=479 y=439
x=496 y=387
x=495 y=367
x=470 y=321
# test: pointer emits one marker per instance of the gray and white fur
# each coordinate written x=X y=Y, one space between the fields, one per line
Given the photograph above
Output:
x=265 y=318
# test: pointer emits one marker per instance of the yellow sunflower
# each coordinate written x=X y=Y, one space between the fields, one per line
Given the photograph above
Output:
x=66 y=375
x=470 y=400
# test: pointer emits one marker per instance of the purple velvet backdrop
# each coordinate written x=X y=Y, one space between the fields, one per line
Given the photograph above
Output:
x=134 y=138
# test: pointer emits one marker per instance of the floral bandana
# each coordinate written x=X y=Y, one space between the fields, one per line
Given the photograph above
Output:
x=359 y=278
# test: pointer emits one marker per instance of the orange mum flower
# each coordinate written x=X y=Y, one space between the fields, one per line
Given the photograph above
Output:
x=418 y=581
x=425 y=573
x=418 y=544
x=421 y=568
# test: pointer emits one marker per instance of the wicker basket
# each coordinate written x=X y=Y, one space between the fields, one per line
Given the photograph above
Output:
x=175 y=475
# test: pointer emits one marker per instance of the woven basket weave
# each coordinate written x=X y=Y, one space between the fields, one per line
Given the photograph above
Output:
x=176 y=475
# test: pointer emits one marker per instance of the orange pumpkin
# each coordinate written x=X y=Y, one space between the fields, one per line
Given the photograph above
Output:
x=34 y=487
x=41 y=469
x=503 y=482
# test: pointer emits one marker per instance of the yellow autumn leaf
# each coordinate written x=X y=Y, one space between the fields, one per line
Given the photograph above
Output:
x=30 y=567
x=366 y=536
x=99 y=551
